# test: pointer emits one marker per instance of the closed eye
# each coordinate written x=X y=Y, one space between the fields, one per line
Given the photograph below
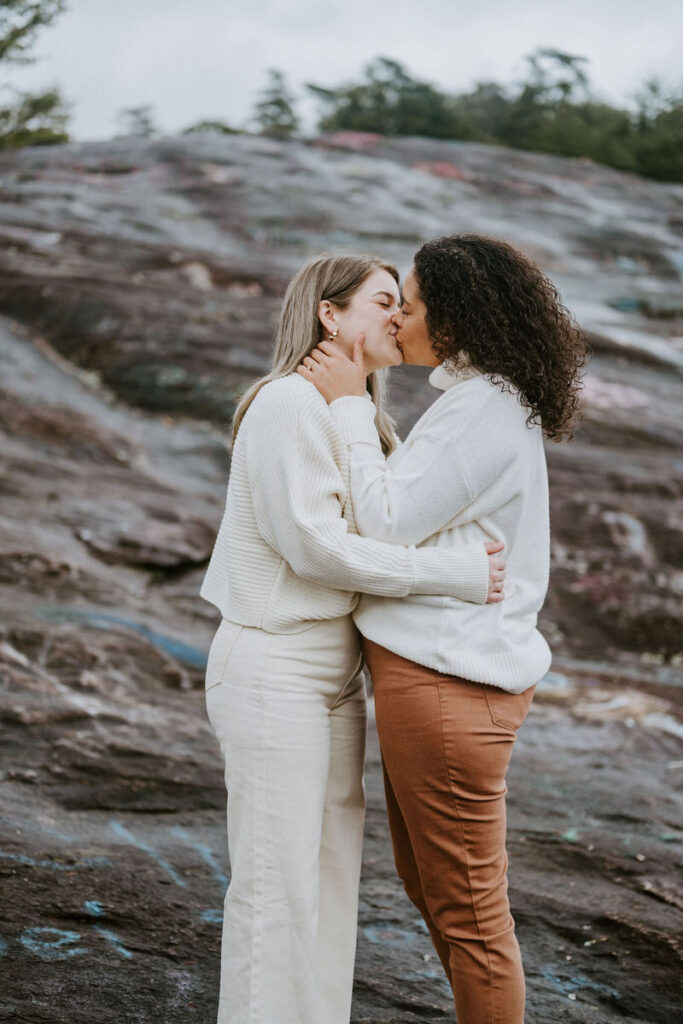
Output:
x=385 y=299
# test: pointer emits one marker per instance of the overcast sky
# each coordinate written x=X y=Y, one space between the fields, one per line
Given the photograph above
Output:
x=195 y=59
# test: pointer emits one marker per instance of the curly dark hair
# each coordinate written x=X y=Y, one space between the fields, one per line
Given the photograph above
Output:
x=486 y=299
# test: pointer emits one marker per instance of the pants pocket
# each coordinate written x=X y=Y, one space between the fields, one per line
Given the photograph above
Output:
x=508 y=710
x=221 y=648
x=349 y=686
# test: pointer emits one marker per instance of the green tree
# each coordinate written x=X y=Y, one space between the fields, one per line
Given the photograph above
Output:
x=483 y=112
x=553 y=111
x=210 y=127
x=138 y=121
x=20 y=21
x=659 y=133
x=33 y=120
x=274 y=112
x=591 y=129
x=651 y=99
x=556 y=82
x=387 y=100
x=558 y=77
x=28 y=119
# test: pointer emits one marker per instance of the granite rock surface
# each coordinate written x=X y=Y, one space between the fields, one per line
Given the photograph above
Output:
x=139 y=286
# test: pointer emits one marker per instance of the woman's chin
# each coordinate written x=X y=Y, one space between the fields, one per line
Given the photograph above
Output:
x=386 y=359
x=397 y=354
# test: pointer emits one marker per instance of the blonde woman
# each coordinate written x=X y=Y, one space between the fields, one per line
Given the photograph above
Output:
x=283 y=692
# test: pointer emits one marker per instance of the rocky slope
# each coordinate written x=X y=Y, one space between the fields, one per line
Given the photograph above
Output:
x=139 y=285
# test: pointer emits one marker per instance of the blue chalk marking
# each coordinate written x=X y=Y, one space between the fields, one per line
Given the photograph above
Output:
x=35 y=826
x=577 y=981
x=102 y=620
x=113 y=940
x=393 y=936
x=430 y=974
x=141 y=845
x=212 y=916
x=54 y=949
x=55 y=832
x=21 y=858
x=3 y=946
x=205 y=853
x=94 y=908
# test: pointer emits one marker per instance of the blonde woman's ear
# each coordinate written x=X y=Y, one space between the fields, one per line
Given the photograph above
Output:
x=327 y=317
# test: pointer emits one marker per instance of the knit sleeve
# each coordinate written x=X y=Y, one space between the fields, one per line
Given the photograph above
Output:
x=297 y=490
x=429 y=482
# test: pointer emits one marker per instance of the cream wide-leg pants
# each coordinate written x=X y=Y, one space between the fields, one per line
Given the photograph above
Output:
x=289 y=713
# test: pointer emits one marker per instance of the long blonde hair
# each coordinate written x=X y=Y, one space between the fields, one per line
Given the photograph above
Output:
x=336 y=278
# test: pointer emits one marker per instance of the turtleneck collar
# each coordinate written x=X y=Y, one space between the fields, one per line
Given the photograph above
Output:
x=443 y=378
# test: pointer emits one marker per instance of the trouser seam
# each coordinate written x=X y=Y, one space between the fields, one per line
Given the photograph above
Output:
x=260 y=856
x=461 y=828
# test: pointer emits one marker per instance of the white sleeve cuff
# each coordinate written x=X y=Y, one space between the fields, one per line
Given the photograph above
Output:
x=462 y=572
x=354 y=417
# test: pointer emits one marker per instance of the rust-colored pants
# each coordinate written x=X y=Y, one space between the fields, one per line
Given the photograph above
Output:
x=446 y=744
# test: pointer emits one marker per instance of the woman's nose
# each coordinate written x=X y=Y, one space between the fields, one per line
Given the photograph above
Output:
x=396 y=318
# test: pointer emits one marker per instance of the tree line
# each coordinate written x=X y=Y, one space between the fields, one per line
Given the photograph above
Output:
x=553 y=110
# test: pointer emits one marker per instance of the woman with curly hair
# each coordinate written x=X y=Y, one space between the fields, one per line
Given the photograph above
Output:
x=453 y=681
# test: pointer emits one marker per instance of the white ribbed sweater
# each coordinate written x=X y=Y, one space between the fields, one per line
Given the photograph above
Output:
x=470 y=470
x=284 y=556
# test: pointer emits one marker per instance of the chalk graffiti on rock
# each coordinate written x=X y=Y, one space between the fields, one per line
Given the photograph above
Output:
x=48 y=943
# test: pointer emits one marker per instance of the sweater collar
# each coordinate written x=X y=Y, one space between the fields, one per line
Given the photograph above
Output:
x=445 y=376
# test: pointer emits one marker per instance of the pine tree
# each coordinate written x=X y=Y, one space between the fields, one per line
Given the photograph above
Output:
x=274 y=112
x=28 y=119
x=387 y=100
x=138 y=121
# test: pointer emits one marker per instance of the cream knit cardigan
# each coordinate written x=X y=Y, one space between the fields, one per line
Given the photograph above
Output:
x=471 y=469
x=287 y=551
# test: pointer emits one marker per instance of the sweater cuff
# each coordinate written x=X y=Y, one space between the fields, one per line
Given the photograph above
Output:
x=462 y=573
x=354 y=417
